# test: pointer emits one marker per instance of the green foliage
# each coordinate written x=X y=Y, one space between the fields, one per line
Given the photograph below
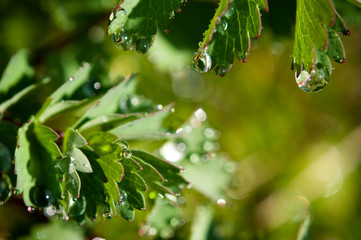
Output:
x=134 y=23
x=317 y=24
x=80 y=172
x=231 y=29
x=228 y=35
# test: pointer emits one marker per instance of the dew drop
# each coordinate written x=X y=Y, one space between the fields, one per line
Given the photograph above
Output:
x=97 y=85
x=5 y=188
x=143 y=45
x=222 y=70
x=126 y=41
x=127 y=154
x=346 y=32
x=230 y=11
x=71 y=79
x=78 y=207
x=41 y=196
x=123 y=198
x=107 y=215
x=203 y=62
x=117 y=20
x=221 y=202
x=67 y=164
x=16 y=191
x=314 y=81
x=221 y=26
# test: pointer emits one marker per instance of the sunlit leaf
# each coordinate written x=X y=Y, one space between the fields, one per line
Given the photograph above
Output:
x=134 y=23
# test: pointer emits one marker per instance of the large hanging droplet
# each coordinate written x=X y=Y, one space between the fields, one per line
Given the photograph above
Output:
x=314 y=81
x=143 y=45
x=203 y=62
x=117 y=20
x=123 y=198
x=5 y=188
x=41 y=196
x=78 y=207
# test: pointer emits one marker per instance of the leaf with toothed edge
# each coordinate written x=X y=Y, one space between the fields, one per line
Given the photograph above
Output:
x=229 y=35
x=36 y=156
x=134 y=23
x=316 y=40
x=72 y=143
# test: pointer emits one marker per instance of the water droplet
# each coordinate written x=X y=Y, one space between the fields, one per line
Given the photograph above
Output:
x=123 y=198
x=152 y=195
x=126 y=41
x=5 y=188
x=200 y=114
x=67 y=164
x=221 y=202
x=127 y=154
x=16 y=191
x=5 y=158
x=314 y=81
x=65 y=218
x=117 y=20
x=78 y=207
x=159 y=107
x=221 y=26
x=41 y=196
x=222 y=70
x=143 y=45
x=203 y=62
x=230 y=11
x=71 y=79
x=107 y=215
x=97 y=85
x=179 y=131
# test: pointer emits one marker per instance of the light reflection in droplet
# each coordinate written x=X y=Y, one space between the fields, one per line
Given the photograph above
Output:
x=200 y=115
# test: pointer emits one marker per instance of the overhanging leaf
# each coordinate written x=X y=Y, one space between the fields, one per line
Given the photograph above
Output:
x=134 y=23
x=229 y=34
x=316 y=39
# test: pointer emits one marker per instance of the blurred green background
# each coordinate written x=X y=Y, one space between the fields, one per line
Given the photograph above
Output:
x=295 y=156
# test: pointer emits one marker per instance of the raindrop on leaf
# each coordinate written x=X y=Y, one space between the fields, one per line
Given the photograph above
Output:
x=41 y=196
x=78 y=207
x=203 y=62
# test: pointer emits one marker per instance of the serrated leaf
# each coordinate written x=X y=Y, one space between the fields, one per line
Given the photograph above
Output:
x=134 y=23
x=73 y=184
x=229 y=34
x=317 y=24
x=126 y=211
x=36 y=158
x=72 y=143
x=109 y=103
x=149 y=126
x=17 y=67
x=171 y=173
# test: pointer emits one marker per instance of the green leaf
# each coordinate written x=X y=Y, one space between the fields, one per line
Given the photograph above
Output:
x=149 y=126
x=68 y=88
x=229 y=34
x=316 y=37
x=134 y=23
x=126 y=211
x=36 y=158
x=109 y=103
x=73 y=183
x=16 y=98
x=173 y=181
x=17 y=67
x=107 y=122
x=65 y=113
x=72 y=143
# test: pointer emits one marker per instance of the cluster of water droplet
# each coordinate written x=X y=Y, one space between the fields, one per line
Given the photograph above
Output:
x=123 y=37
